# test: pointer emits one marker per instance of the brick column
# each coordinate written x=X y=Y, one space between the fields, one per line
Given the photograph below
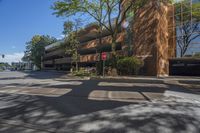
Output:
x=151 y=37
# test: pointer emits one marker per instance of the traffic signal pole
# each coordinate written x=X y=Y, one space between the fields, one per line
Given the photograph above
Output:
x=104 y=68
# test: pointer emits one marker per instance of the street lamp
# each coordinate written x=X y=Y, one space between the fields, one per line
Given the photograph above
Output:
x=2 y=55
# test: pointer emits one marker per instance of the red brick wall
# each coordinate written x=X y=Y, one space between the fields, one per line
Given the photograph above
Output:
x=151 y=37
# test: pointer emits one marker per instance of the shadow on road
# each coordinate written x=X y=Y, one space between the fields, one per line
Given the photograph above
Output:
x=70 y=114
x=44 y=75
x=31 y=74
x=76 y=112
x=84 y=109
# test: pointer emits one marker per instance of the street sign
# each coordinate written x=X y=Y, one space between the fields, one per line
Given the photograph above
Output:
x=103 y=56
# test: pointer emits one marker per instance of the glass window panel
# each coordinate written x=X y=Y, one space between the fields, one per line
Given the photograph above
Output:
x=186 y=17
x=195 y=1
x=196 y=12
x=177 y=8
x=186 y=6
x=178 y=19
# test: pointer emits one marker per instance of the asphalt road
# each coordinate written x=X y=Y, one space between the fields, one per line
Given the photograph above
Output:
x=38 y=102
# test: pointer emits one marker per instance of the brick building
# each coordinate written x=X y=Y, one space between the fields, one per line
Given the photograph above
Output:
x=150 y=42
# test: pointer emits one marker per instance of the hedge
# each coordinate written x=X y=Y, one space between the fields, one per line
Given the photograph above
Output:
x=129 y=66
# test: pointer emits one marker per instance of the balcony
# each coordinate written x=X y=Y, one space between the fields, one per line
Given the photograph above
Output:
x=105 y=40
x=88 y=33
x=54 y=45
x=59 y=52
x=83 y=58
x=89 y=58
x=63 y=60
x=48 y=62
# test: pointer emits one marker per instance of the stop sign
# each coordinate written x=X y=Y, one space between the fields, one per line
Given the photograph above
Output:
x=103 y=56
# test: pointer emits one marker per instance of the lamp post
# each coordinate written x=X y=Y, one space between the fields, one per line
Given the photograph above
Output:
x=2 y=55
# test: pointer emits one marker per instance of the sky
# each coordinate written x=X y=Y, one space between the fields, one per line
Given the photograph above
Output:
x=20 y=20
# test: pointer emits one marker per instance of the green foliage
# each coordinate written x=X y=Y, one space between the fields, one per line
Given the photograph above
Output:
x=67 y=8
x=71 y=40
x=82 y=72
x=111 y=63
x=124 y=65
x=3 y=66
x=36 y=47
x=72 y=45
x=129 y=65
x=185 y=6
x=197 y=55
x=68 y=27
x=102 y=11
x=195 y=11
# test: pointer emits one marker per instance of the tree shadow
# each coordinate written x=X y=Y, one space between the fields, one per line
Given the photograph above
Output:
x=44 y=74
x=80 y=110
x=71 y=114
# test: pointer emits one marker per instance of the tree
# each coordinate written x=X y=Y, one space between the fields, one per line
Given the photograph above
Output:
x=71 y=39
x=72 y=47
x=186 y=37
x=36 y=47
x=93 y=8
x=189 y=25
x=68 y=27
x=109 y=14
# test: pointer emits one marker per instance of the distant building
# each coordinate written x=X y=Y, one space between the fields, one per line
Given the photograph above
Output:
x=22 y=65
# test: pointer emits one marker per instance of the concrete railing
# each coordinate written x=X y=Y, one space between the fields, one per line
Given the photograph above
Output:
x=105 y=40
x=58 y=52
x=63 y=60
x=48 y=62
x=89 y=58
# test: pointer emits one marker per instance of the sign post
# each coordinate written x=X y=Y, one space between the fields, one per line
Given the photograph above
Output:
x=103 y=57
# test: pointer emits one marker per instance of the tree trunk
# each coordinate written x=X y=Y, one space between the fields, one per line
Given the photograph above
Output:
x=100 y=34
x=114 y=43
x=77 y=66
x=181 y=53
x=76 y=60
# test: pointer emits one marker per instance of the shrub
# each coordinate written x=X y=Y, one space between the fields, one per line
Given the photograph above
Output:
x=129 y=65
x=82 y=72
x=197 y=55
x=110 y=64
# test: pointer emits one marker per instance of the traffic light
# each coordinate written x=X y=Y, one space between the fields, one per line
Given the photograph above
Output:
x=3 y=56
